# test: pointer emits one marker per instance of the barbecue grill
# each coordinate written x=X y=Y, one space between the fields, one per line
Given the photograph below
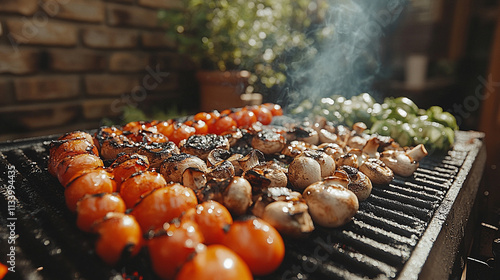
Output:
x=412 y=228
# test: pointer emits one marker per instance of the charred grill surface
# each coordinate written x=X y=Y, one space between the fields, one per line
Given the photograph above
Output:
x=377 y=244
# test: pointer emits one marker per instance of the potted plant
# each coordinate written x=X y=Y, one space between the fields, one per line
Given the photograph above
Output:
x=240 y=42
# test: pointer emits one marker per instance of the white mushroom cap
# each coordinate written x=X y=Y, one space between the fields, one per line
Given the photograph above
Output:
x=173 y=167
x=238 y=196
x=399 y=162
x=289 y=218
x=330 y=204
x=303 y=171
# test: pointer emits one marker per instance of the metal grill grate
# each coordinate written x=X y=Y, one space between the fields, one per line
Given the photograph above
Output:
x=377 y=244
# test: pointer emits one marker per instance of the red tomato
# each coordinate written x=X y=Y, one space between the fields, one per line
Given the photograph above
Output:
x=119 y=235
x=224 y=124
x=212 y=219
x=275 y=109
x=244 y=118
x=166 y=128
x=181 y=132
x=263 y=114
x=139 y=184
x=215 y=262
x=257 y=243
x=92 y=208
x=171 y=246
x=126 y=165
x=201 y=128
x=90 y=182
x=3 y=270
x=71 y=165
x=162 y=205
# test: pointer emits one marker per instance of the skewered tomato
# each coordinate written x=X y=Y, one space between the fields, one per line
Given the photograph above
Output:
x=244 y=118
x=162 y=205
x=201 y=128
x=92 y=208
x=119 y=236
x=223 y=124
x=126 y=165
x=64 y=148
x=71 y=165
x=212 y=219
x=139 y=184
x=171 y=246
x=181 y=132
x=263 y=114
x=274 y=108
x=89 y=182
x=215 y=262
x=257 y=243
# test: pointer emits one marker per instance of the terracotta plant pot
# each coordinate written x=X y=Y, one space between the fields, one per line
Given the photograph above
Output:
x=221 y=90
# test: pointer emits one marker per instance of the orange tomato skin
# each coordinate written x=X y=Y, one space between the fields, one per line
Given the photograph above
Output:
x=126 y=165
x=244 y=118
x=223 y=124
x=71 y=165
x=92 y=182
x=257 y=243
x=263 y=114
x=92 y=208
x=215 y=262
x=139 y=184
x=181 y=132
x=162 y=205
x=64 y=148
x=275 y=109
x=3 y=270
x=212 y=219
x=117 y=232
x=171 y=246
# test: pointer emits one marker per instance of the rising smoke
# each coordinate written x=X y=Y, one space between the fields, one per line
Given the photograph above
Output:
x=347 y=57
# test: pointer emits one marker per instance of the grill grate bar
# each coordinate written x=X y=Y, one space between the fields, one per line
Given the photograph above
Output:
x=382 y=235
x=387 y=224
x=420 y=194
x=410 y=211
x=404 y=198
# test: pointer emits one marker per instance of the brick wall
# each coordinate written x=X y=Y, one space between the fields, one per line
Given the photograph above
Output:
x=66 y=64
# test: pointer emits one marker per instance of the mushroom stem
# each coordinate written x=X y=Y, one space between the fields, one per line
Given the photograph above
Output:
x=417 y=153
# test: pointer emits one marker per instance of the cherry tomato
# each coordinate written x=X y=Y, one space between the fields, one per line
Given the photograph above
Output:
x=92 y=208
x=226 y=112
x=71 y=165
x=201 y=128
x=126 y=165
x=162 y=205
x=275 y=109
x=224 y=124
x=257 y=243
x=215 y=262
x=244 y=118
x=119 y=236
x=212 y=219
x=208 y=118
x=88 y=182
x=171 y=246
x=182 y=132
x=166 y=128
x=139 y=184
x=263 y=114
x=3 y=270
x=64 y=148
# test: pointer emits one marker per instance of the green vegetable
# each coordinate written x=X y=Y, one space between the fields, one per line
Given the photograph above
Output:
x=398 y=117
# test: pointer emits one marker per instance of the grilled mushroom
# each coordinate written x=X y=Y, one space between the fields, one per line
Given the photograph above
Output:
x=289 y=218
x=417 y=153
x=326 y=136
x=330 y=203
x=377 y=171
x=359 y=183
x=238 y=196
x=158 y=152
x=194 y=179
x=304 y=133
x=270 y=195
x=347 y=159
x=400 y=162
x=201 y=145
x=303 y=171
x=173 y=167
x=371 y=146
x=295 y=148
x=268 y=141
